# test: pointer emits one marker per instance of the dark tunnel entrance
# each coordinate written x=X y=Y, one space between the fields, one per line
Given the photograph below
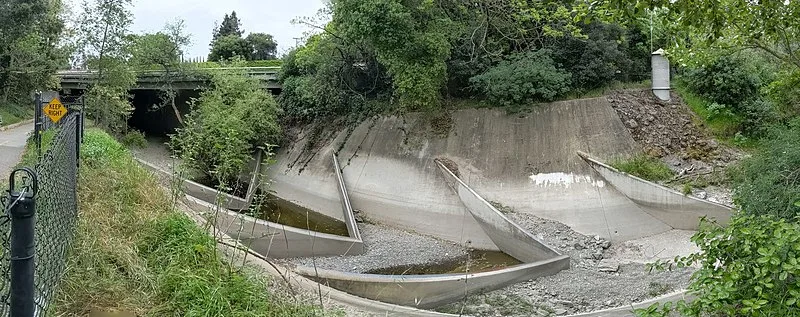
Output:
x=155 y=120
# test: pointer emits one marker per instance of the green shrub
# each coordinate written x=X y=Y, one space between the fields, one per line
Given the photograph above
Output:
x=769 y=181
x=227 y=124
x=728 y=80
x=645 y=167
x=749 y=268
x=522 y=79
x=134 y=139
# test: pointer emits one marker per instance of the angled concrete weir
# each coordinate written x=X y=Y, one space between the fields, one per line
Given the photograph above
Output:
x=200 y=191
x=506 y=234
x=428 y=291
x=671 y=207
x=267 y=238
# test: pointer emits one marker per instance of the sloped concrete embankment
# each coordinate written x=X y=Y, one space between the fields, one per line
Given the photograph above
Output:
x=527 y=163
x=671 y=207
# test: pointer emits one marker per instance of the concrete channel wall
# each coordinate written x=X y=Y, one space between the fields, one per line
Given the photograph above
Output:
x=506 y=234
x=268 y=238
x=526 y=162
x=428 y=291
x=671 y=207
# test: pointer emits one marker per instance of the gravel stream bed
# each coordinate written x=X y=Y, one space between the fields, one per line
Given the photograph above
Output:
x=387 y=246
x=601 y=276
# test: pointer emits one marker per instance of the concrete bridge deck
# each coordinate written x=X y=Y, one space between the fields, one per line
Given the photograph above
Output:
x=153 y=79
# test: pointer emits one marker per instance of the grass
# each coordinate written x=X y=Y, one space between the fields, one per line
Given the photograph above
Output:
x=645 y=167
x=11 y=114
x=134 y=253
x=723 y=127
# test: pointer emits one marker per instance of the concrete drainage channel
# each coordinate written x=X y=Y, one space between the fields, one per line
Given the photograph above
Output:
x=426 y=291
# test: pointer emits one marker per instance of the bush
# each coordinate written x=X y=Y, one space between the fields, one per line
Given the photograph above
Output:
x=523 y=78
x=645 y=167
x=728 y=80
x=769 y=181
x=134 y=139
x=227 y=123
x=749 y=268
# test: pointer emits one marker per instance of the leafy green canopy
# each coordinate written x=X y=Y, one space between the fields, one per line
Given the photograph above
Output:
x=228 y=122
x=411 y=54
x=749 y=268
x=524 y=78
x=227 y=43
x=30 y=48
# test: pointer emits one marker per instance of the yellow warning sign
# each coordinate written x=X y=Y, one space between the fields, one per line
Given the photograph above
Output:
x=55 y=110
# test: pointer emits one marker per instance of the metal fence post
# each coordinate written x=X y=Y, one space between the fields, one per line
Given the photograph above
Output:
x=22 y=245
x=37 y=130
x=78 y=139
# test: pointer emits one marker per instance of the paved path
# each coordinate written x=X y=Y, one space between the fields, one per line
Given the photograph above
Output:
x=12 y=143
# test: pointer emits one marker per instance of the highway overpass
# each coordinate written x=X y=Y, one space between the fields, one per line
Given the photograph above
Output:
x=154 y=80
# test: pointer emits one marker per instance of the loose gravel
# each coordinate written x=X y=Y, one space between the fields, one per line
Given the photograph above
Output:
x=387 y=246
x=601 y=276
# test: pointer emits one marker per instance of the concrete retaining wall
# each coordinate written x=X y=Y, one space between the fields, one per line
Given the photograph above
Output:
x=526 y=162
x=671 y=207
x=427 y=291
x=506 y=234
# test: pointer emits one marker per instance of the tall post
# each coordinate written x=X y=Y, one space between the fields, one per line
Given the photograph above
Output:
x=37 y=128
x=78 y=129
x=22 y=245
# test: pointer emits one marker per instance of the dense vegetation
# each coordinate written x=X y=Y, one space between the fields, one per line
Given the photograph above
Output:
x=412 y=55
x=737 y=65
x=134 y=253
x=30 y=51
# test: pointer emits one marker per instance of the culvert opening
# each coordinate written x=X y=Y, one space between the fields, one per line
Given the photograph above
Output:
x=475 y=261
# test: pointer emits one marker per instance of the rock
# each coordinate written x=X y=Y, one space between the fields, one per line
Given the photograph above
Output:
x=702 y=195
x=650 y=118
x=560 y=311
x=712 y=144
x=597 y=255
x=359 y=216
x=607 y=265
x=632 y=124
x=605 y=244
x=579 y=245
x=596 y=238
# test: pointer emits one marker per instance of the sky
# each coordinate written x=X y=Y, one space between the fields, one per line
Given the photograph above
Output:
x=267 y=16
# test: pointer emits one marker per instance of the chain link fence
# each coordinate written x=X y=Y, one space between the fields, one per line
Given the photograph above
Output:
x=38 y=223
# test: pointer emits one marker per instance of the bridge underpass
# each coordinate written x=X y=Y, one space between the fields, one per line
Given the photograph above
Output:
x=153 y=115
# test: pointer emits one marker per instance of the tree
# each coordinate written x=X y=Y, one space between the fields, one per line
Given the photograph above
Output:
x=262 y=45
x=230 y=26
x=228 y=47
x=30 y=48
x=229 y=121
x=164 y=50
x=104 y=48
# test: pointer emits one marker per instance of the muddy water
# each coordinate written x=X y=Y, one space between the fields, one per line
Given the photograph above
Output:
x=474 y=262
x=287 y=213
